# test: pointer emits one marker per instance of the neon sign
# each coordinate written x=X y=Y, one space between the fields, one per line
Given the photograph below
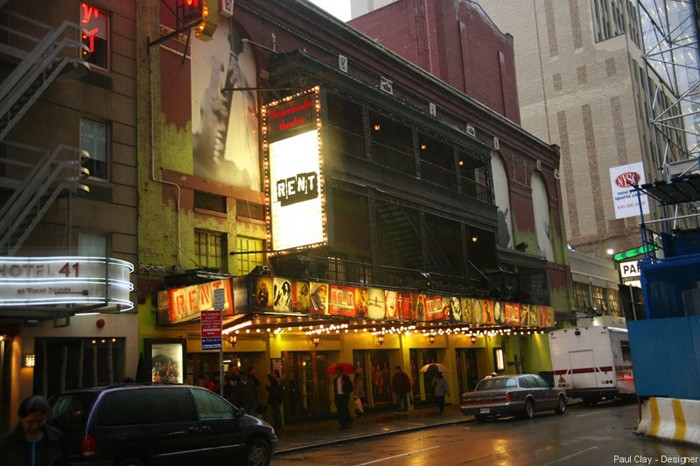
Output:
x=95 y=30
x=69 y=281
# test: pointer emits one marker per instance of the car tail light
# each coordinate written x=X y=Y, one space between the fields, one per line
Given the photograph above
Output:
x=88 y=447
x=509 y=396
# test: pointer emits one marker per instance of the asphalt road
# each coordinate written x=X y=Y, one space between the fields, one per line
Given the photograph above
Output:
x=598 y=436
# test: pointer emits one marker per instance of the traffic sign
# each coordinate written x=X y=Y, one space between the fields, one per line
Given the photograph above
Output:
x=634 y=252
x=219 y=301
x=211 y=330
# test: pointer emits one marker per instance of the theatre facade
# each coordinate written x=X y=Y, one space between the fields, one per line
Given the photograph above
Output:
x=332 y=202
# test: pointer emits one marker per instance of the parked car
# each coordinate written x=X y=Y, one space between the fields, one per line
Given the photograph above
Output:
x=508 y=395
x=134 y=425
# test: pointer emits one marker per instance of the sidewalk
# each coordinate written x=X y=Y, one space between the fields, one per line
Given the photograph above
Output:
x=304 y=436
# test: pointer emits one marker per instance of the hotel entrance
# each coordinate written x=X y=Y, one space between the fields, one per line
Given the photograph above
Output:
x=306 y=386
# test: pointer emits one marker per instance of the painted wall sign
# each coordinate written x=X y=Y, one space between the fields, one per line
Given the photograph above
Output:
x=76 y=280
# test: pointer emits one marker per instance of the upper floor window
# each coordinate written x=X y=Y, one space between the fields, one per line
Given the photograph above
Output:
x=95 y=24
x=210 y=249
x=249 y=254
x=93 y=245
x=93 y=139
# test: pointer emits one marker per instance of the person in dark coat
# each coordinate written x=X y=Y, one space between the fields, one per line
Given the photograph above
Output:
x=275 y=398
x=342 y=388
x=245 y=396
x=33 y=442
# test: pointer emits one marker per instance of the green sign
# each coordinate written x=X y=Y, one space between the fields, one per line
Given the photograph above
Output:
x=630 y=253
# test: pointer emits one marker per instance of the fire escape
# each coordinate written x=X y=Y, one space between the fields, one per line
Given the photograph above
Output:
x=33 y=179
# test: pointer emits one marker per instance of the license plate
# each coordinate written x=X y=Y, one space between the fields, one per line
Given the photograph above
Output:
x=484 y=411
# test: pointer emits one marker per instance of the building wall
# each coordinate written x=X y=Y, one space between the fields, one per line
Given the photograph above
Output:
x=110 y=209
x=587 y=93
x=454 y=41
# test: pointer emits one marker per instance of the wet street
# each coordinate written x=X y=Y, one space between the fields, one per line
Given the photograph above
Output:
x=602 y=435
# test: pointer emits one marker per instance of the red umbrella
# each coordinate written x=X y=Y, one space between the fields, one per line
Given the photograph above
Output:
x=346 y=366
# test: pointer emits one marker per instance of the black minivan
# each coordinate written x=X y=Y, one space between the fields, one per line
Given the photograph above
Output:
x=136 y=425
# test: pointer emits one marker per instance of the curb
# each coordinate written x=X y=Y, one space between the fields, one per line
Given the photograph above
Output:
x=373 y=435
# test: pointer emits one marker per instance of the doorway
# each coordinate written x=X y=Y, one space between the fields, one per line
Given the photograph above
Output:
x=306 y=386
x=467 y=369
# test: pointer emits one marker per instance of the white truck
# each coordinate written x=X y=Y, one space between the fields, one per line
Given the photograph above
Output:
x=592 y=363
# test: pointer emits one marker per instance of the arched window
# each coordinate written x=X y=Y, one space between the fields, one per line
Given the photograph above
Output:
x=543 y=221
x=502 y=199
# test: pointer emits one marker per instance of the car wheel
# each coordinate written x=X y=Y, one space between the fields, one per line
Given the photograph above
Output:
x=131 y=462
x=480 y=418
x=561 y=406
x=257 y=453
x=529 y=412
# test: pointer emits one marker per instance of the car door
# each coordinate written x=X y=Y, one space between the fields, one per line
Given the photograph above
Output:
x=177 y=436
x=549 y=394
x=536 y=391
x=222 y=423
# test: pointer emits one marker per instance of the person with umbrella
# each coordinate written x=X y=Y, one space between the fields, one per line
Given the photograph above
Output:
x=441 y=390
x=342 y=388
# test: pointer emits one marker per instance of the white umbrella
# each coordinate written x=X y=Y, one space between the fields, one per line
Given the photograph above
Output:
x=436 y=366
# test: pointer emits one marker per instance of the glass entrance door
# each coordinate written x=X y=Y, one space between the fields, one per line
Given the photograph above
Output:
x=306 y=382
x=467 y=369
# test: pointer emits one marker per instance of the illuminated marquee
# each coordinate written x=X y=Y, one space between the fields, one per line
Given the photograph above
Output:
x=294 y=184
x=187 y=303
x=39 y=281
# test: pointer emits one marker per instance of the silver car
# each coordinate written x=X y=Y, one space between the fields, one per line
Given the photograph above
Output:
x=508 y=395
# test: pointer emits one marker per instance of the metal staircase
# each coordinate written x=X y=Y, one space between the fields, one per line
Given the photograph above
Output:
x=58 y=50
x=32 y=179
x=44 y=180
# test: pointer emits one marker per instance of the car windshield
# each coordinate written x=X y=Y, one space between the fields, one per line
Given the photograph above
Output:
x=497 y=383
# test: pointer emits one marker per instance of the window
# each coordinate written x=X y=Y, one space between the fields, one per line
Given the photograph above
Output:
x=599 y=302
x=93 y=139
x=211 y=406
x=95 y=24
x=337 y=269
x=93 y=245
x=614 y=301
x=581 y=296
x=245 y=263
x=208 y=201
x=210 y=249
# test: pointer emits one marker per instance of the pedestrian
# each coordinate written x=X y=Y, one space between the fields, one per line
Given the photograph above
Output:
x=342 y=388
x=441 y=389
x=358 y=393
x=215 y=382
x=231 y=383
x=245 y=396
x=401 y=386
x=275 y=398
x=32 y=441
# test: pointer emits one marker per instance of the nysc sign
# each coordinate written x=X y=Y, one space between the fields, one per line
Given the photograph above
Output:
x=629 y=269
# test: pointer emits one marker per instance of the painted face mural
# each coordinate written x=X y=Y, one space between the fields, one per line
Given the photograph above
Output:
x=225 y=121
